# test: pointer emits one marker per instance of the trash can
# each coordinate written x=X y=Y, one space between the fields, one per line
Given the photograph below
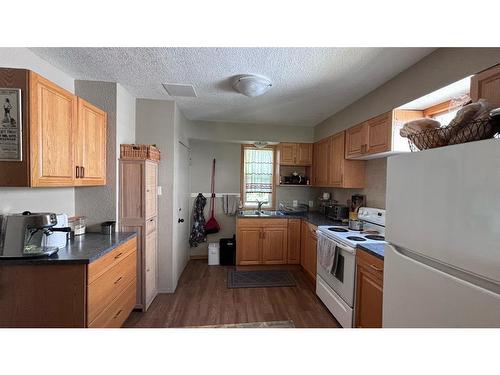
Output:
x=228 y=251
x=213 y=254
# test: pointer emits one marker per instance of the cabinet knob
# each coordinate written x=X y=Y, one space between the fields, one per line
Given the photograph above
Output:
x=180 y=220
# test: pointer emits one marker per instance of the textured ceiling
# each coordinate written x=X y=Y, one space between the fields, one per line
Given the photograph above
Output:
x=309 y=84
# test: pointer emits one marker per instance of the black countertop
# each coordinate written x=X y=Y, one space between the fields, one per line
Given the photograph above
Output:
x=314 y=218
x=376 y=249
x=82 y=249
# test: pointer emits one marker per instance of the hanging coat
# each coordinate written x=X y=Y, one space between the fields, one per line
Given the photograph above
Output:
x=198 y=229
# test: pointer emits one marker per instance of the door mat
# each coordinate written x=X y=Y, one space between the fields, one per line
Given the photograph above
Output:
x=259 y=279
x=275 y=324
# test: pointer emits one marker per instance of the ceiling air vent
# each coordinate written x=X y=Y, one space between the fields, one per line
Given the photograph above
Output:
x=179 y=89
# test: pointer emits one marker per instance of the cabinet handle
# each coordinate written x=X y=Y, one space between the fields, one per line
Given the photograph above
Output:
x=117 y=314
x=119 y=255
x=118 y=280
x=77 y=171
x=83 y=172
x=376 y=268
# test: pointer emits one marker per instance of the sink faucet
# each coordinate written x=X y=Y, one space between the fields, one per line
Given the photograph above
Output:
x=259 y=205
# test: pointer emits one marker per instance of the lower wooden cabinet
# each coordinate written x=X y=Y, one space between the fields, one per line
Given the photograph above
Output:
x=100 y=294
x=309 y=241
x=261 y=241
x=294 y=241
x=369 y=290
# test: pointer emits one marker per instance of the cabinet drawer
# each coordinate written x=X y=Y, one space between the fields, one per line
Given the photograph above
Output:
x=115 y=314
x=151 y=225
x=109 y=285
x=97 y=268
x=370 y=263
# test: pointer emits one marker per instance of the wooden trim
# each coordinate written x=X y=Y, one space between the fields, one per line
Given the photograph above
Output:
x=198 y=257
x=440 y=108
x=273 y=179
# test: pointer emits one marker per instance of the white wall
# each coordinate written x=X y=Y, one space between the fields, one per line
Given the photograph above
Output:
x=36 y=199
x=125 y=130
x=155 y=125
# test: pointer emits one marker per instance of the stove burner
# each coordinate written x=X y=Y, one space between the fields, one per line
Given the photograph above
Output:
x=375 y=237
x=356 y=238
x=335 y=229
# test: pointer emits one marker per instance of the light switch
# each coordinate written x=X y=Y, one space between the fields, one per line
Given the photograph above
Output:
x=295 y=203
x=159 y=190
x=311 y=203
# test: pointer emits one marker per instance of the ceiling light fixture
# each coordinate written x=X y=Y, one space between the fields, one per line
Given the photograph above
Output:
x=252 y=85
x=260 y=144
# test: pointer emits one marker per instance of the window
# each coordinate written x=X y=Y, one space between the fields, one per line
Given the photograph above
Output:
x=258 y=176
x=445 y=117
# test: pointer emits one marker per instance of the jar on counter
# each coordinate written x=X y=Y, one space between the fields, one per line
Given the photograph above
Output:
x=78 y=225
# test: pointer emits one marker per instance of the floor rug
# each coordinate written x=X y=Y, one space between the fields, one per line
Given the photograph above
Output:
x=276 y=324
x=259 y=279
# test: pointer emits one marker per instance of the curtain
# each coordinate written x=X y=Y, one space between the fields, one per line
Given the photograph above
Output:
x=258 y=173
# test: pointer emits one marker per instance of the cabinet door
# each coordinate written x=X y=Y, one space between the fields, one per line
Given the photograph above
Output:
x=486 y=85
x=150 y=287
x=369 y=290
x=287 y=153
x=304 y=154
x=336 y=166
x=356 y=141
x=321 y=162
x=53 y=118
x=140 y=294
x=151 y=201
x=90 y=145
x=248 y=246
x=274 y=245
x=294 y=241
x=311 y=256
x=379 y=134
x=303 y=243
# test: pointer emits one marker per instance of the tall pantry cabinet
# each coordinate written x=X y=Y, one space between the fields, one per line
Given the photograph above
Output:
x=138 y=213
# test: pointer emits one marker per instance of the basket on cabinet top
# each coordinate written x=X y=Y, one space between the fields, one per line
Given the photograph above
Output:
x=139 y=152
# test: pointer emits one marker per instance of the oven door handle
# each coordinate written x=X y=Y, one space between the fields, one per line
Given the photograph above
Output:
x=350 y=250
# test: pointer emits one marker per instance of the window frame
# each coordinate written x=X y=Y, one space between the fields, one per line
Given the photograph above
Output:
x=242 y=178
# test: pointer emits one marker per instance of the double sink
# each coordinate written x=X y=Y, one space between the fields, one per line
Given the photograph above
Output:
x=262 y=213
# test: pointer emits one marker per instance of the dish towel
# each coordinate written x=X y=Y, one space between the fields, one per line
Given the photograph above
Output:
x=230 y=204
x=327 y=253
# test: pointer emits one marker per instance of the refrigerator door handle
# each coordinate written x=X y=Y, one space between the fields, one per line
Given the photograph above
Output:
x=458 y=273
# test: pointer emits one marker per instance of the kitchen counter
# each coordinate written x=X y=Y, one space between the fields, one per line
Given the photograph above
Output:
x=314 y=218
x=376 y=249
x=82 y=249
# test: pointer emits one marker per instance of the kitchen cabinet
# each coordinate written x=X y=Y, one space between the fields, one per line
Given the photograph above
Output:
x=261 y=241
x=63 y=137
x=321 y=159
x=308 y=253
x=379 y=136
x=138 y=213
x=293 y=241
x=369 y=290
x=486 y=85
x=295 y=154
x=332 y=169
x=90 y=144
x=100 y=294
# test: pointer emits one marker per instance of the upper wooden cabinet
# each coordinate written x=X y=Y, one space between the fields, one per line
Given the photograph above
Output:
x=90 y=144
x=63 y=137
x=379 y=135
x=331 y=169
x=295 y=154
x=486 y=85
x=52 y=129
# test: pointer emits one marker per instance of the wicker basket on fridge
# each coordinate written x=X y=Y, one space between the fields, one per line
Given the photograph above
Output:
x=139 y=152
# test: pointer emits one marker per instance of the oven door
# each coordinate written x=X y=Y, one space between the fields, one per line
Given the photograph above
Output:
x=341 y=279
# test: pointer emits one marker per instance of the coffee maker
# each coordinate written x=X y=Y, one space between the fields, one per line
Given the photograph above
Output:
x=24 y=235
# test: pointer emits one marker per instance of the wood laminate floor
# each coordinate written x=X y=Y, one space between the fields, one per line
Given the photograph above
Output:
x=202 y=298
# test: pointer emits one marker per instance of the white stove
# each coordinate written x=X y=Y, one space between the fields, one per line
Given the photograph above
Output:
x=336 y=287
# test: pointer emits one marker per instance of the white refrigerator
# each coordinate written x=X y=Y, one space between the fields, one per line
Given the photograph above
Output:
x=442 y=260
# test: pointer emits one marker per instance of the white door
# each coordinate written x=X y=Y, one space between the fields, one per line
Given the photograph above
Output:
x=181 y=210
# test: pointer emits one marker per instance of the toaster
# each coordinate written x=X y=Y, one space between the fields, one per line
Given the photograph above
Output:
x=337 y=212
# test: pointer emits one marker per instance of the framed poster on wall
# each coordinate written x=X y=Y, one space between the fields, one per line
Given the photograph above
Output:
x=11 y=139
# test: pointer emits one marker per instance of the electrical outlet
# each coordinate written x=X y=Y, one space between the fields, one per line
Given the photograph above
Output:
x=295 y=203
x=311 y=203
x=159 y=190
